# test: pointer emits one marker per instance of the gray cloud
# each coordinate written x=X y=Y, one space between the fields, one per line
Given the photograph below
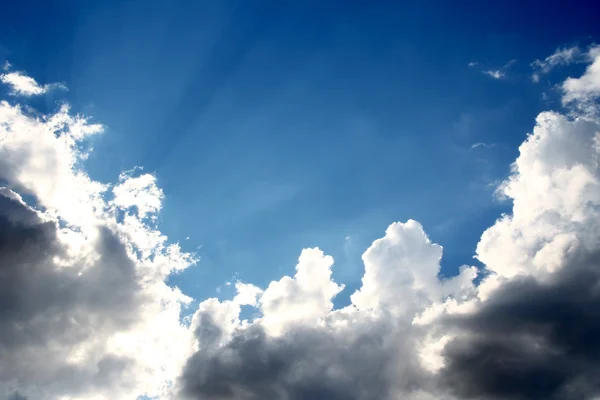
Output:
x=46 y=310
x=84 y=309
x=304 y=363
x=531 y=339
x=16 y=396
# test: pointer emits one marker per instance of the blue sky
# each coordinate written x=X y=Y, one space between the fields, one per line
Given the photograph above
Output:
x=276 y=126
x=168 y=170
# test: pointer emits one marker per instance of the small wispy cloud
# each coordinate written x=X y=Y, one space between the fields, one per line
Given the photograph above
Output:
x=561 y=57
x=473 y=64
x=496 y=74
x=23 y=85
x=484 y=145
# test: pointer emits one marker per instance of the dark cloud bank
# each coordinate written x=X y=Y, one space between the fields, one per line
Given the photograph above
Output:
x=530 y=340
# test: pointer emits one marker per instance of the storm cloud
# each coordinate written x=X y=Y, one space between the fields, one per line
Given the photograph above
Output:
x=303 y=364
x=531 y=339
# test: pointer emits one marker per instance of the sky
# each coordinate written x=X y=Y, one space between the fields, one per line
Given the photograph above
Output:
x=299 y=200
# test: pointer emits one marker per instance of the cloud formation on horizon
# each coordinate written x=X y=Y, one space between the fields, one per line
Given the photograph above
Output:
x=85 y=312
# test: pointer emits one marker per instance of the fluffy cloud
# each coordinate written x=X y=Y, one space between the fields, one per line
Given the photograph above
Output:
x=53 y=313
x=39 y=156
x=300 y=348
x=585 y=89
x=140 y=192
x=555 y=194
x=533 y=333
x=531 y=339
x=85 y=312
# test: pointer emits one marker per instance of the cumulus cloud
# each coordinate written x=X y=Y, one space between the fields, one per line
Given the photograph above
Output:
x=40 y=156
x=85 y=312
x=301 y=348
x=23 y=85
x=585 y=89
x=140 y=192
x=311 y=363
x=51 y=309
x=532 y=333
x=247 y=294
x=303 y=353
x=531 y=339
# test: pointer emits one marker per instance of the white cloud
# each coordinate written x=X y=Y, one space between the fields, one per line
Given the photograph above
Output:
x=347 y=353
x=586 y=88
x=562 y=56
x=140 y=192
x=41 y=155
x=85 y=309
x=23 y=85
x=484 y=145
x=403 y=261
x=247 y=294
x=306 y=297
x=496 y=74
x=554 y=189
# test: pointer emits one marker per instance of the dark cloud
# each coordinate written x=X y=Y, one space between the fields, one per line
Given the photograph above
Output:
x=84 y=307
x=531 y=340
x=16 y=396
x=302 y=364
x=46 y=310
